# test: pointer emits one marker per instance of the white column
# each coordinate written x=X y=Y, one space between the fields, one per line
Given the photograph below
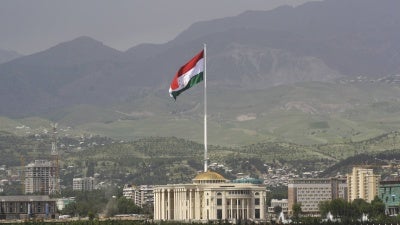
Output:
x=190 y=204
x=237 y=209
x=176 y=208
x=169 y=203
x=197 y=204
x=223 y=206
x=179 y=206
x=174 y=202
x=159 y=208
x=262 y=206
x=156 y=204
x=162 y=204
x=184 y=202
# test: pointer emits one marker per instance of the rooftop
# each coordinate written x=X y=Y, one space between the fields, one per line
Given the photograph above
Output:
x=209 y=177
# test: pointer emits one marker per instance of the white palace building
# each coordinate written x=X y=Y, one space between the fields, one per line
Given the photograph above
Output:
x=210 y=197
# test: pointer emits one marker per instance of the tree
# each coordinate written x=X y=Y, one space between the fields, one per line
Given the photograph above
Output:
x=340 y=208
x=148 y=209
x=127 y=206
x=360 y=206
x=377 y=208
x=70 y=209
x=296 y=208
x=324 y=208
x=85 y=202
x=277 y=209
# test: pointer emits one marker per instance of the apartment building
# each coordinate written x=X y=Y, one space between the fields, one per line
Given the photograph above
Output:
x=83 y=184
x=40 y=177
x=140 y=195
x=362 y=184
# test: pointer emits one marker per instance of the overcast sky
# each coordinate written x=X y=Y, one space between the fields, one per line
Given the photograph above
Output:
x=28 y=26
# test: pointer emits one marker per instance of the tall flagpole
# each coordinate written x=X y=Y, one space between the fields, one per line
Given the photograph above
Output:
x=205 y=111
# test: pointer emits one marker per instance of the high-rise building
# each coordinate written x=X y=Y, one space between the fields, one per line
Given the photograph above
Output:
x=362 y=184
x=311 y=192
x=210 y=197
x=83 y=184
x=40 y=177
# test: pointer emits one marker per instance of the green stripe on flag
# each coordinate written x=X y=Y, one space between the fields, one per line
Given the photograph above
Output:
x=195 y=79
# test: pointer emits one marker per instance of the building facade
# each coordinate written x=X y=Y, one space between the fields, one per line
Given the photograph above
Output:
x=362 y=184
x=25 y=207
x=389 y=192
x=311 y=192
x=83 y=184
x=210 y=197
x=130 y=192
x=140 y=195
x=40 y=177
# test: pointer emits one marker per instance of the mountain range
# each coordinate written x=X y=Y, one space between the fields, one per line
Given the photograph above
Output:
x=6 y=56
x=321 y=63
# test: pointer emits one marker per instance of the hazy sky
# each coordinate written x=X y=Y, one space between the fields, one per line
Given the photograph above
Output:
x=29 y=26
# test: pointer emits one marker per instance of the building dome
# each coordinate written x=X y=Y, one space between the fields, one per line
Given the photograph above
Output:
x=209 y=177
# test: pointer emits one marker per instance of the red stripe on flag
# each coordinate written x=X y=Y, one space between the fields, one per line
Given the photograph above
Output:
x=188 y=66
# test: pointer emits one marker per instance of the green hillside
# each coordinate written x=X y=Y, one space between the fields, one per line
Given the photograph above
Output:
x=305 y=113
x=308 y=113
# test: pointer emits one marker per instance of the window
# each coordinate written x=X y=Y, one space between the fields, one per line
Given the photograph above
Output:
x=257 y=213
x=257 y=201
x=219 y=201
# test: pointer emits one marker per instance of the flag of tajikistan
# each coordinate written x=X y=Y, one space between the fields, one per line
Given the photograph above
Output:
x=188 y=75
